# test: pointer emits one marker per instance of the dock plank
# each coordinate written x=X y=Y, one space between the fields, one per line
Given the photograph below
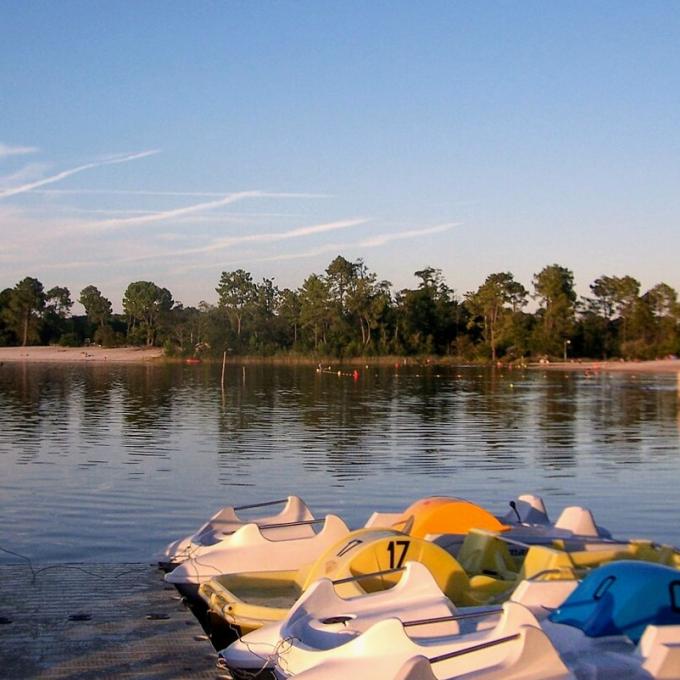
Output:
x=68 y=622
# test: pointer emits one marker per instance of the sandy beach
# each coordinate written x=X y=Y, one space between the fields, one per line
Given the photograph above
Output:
x=146 y=354
x=657 y=366
x=80 y=354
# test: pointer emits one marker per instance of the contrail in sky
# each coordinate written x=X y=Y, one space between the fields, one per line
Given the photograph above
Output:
x=67 y=173
x=372 y=242
x=382 y=239
x=204 y=194
x=163 y=215
x=273 y=237
x=160 y=216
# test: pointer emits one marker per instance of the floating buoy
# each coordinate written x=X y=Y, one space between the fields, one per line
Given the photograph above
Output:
x=355 y=375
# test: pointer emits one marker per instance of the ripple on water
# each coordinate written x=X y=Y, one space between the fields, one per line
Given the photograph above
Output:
x=111 y=463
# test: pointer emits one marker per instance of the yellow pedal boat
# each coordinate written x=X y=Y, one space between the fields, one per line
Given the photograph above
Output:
x=369 y=560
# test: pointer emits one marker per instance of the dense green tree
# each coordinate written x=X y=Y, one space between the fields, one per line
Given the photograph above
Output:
x=99 y=313
x=97 y=307
x=237 y=295
x=7 y=335
x=56 y=324
x=147 y=307
x=367 y=302
x=554 y=288
x=183 y=335
x=341 y=277
x=263 y=314
x=314 y=308
x=428 y=315
x=627 y=292
x=348 y=311
x=662 y=320
x=493 y=304
x=24 y=309
x=288 y=311
x=58 y=301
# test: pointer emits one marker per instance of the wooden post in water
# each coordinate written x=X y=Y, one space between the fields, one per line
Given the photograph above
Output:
x=224 y=363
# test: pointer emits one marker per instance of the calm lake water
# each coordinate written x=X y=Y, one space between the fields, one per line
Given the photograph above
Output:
x=109 y=463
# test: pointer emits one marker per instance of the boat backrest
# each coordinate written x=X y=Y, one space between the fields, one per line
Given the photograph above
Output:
x=416 y=668
x=514 y=616
x=654 y=636
x=578 y=520
x=531 y=510
x=659 y=648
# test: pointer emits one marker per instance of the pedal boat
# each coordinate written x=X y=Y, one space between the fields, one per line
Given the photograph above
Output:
x=365 y=561
x=540 y=578
x=622 y=621
x=528 y=522
x=323 y=620
x=284 y=547
x=293 y=521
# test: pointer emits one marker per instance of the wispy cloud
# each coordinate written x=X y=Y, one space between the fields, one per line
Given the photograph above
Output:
x=6 y=150
x=27 y=173
x=29 y=186
x=382 y=239
x=164 y=215
x=176 y=214
x=272 y=237
x=373 y=242
x=199 y=194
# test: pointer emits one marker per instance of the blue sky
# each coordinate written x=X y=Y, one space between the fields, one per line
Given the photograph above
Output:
x=170 y=141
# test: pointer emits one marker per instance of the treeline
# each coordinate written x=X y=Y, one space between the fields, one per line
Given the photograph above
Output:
x=348 y=311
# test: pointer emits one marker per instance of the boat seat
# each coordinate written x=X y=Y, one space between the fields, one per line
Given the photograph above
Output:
x=484 y=553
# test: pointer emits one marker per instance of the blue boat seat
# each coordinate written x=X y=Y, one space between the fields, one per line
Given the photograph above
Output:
x=623 y=598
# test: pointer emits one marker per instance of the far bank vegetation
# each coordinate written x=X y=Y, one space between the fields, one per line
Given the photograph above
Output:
x=347 y=311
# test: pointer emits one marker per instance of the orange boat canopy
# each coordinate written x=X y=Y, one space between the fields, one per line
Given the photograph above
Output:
x=444 y=515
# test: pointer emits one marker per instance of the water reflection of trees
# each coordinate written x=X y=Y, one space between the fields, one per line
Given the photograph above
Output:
x=36 y=402
x=556 y=421
x=421 y=420
x=321 y=420
x=633 y=419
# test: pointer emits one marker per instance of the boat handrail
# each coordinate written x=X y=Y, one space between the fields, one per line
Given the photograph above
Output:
x=298 y=523
x=474 y=648
x=591 y=540
x=351 y=579
x=280 y=525
x=453 y=617
x=259 y=505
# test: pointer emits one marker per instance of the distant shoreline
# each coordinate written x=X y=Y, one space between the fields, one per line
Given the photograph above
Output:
x=655 y=366
x=35 y=355
x=137 y=355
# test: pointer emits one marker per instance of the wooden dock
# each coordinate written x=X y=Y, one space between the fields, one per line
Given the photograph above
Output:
x=98 y=621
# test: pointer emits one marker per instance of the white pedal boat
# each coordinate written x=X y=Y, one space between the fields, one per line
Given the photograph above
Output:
x=622 y=621
x=280 y=546
x=322 y=619
x=293 y=521
x=228 y=544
